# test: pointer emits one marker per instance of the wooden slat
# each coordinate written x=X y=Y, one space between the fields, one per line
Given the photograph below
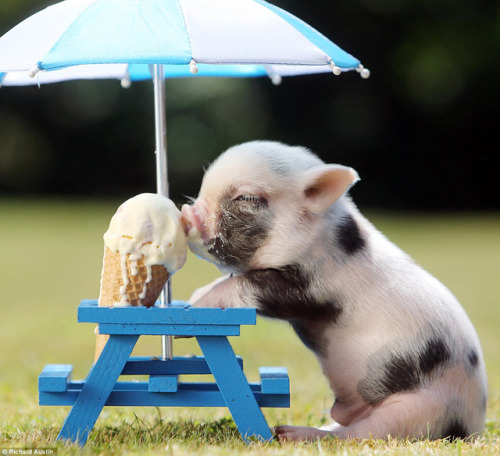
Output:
x=171 y=330
x=187 y=395
x=234 y=388
x=97 y=388
x=180 y=313
x=274 y=380
x=163 y=383
x=196 y=365
x=55 y=377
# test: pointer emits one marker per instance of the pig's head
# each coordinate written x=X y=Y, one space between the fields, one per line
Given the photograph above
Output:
x=264 y=205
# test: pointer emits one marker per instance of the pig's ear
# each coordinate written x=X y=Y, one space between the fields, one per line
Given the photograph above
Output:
x=325 y=185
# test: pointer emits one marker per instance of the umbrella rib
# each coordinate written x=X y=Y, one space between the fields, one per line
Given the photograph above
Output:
x=187 y=33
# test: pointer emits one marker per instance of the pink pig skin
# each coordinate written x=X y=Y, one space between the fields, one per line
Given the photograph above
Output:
x=397 y=349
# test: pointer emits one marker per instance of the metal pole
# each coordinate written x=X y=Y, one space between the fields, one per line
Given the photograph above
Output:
x=162 y=178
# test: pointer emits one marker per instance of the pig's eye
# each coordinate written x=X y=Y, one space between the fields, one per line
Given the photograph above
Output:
x=251 y=199
x=247 y=198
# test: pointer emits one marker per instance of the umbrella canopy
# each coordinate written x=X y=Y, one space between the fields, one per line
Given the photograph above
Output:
x=181 y=33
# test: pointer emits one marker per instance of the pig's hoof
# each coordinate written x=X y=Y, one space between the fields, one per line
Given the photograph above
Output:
x=298 y=433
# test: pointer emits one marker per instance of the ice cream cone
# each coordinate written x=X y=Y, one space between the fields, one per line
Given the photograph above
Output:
x=100 y=342
x=142 y=289
x=144 y=245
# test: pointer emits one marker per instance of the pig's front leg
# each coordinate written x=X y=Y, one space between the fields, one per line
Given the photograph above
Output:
x=223 y=292
x=202 y=291
x=300 y=433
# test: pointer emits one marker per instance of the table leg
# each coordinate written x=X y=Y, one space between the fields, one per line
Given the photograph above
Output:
x=234 y=387
x=98 y=386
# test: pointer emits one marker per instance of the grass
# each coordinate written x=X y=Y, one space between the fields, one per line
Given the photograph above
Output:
x=51 y=259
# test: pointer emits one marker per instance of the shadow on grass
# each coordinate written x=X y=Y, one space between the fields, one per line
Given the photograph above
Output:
x=151 y=433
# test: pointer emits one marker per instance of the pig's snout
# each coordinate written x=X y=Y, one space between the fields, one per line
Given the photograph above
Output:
x=190 y=219
x=193 y=219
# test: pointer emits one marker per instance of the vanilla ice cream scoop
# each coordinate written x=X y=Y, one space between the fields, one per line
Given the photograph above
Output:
x=144 y=245
x=148 y=224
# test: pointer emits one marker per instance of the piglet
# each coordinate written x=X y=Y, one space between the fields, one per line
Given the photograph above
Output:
x=397 y=349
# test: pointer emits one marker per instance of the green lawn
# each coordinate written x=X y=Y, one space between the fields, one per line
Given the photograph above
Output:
x=51 y=255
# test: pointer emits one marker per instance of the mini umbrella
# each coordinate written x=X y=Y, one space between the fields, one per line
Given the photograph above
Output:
x=76 y=32
x=135 y=40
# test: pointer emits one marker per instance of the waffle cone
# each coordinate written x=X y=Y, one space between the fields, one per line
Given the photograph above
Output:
x=112 y=281
x=100 y=342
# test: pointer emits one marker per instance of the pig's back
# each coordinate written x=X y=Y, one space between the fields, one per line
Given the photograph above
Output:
x=402 y=331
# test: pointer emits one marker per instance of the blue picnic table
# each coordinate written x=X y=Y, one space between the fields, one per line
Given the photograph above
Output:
x=210 y=327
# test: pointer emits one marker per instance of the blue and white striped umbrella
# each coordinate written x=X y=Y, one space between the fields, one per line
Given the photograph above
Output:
x=215 y=37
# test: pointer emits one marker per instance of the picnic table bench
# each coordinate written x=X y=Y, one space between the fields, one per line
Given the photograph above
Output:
x=210 y=327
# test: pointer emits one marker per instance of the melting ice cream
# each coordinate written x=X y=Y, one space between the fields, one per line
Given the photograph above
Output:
x=146 y=242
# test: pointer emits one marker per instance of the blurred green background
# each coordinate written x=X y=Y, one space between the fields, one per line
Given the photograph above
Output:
x=422 y=131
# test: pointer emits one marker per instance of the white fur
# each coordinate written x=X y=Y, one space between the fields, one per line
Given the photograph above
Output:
x=386 y=297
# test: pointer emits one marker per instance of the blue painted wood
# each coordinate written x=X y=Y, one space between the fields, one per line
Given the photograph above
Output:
x=97 y=388
x=172 y=330
x=210 y=326
x=180 y=313
x=234 y=388
x=187 y=395
x=55 y=377
x=180 y=365
x=163 y=383
x=274 y=380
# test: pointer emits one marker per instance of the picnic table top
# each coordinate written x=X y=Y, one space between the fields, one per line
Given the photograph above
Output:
x=178 y=313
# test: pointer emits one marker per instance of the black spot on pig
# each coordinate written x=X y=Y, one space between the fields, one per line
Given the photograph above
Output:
x=348 y=236
x=281 y=293
x=284 y=293
x=311 y=328
x=403 y=366
x=242 y=227
x=473 y=358
x=312 y=335
x=455 y=429
x=452 y=425
x=435 y=353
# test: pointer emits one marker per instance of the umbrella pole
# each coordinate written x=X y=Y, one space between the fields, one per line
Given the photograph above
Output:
x=162 y=178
